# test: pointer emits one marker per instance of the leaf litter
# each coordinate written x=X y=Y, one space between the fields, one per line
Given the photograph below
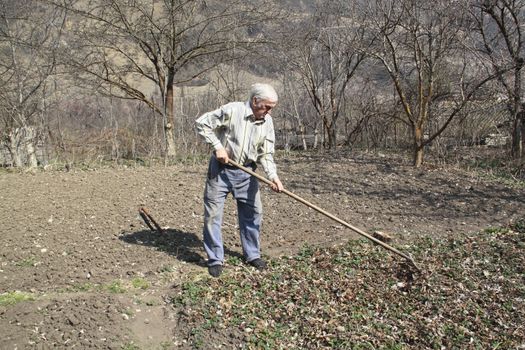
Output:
x=470 y=295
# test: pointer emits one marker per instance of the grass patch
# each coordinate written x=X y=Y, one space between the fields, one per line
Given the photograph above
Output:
x=507 y=172
x=116 y=287
x=165 y=345
x=234 y=261
x=147 y=302
x=12 y=298
x=27 y=262
x=496 y=230
x=130 y=346
x=82 y=287
x=128 y=312
x=518 y=226
x=140 y=283
x=359 y=296
x=167 y=269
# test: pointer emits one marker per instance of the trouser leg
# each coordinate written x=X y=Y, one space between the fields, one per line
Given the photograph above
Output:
x=214 y=196
x=249 y=208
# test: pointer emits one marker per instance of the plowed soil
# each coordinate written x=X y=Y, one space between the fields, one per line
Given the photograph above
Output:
x=97 y=277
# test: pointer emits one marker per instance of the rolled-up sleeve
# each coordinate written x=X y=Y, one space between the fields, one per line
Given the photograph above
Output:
x=207 y=123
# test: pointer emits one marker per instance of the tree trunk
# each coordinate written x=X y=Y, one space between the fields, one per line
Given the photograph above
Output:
x=295 y=115
x=418 y=157
x=14 y=148
x=522 y=154
x=418 y=147
x=170 y=138
x=169 y=119
x=517 y=132
x=316 y=137
x=29 y=136
x=331 y=135
x=303 y=137
x=517 y=135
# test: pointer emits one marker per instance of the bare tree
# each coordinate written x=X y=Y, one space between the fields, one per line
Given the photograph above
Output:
x=499 y=24
x=323 y=52
x=29 y=35
x=134 y=49
x=420 y=46
x=291 y=94
x=364 y=119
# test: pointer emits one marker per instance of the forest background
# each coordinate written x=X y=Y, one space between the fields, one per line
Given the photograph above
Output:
x=87 y=81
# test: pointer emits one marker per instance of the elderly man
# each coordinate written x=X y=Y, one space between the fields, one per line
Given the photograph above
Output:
x=244 y=133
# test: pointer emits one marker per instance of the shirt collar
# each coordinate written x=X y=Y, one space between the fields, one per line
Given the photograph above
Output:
x=249 y=114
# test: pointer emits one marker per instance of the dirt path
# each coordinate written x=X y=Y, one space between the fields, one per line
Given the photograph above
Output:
x=74 y=242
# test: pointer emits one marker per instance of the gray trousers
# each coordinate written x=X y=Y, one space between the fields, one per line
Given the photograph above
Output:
x=221 y=181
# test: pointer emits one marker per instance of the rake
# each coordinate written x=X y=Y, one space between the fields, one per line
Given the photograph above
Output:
x=331 y=216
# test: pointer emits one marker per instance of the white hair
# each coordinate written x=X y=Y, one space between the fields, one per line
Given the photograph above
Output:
x=263 y=92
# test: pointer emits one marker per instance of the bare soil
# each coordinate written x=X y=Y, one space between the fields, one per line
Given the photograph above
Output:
x=99 y=278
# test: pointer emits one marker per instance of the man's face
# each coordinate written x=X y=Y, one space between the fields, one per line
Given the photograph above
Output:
x=262 y=107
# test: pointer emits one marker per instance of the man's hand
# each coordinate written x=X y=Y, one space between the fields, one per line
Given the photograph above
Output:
x=222 y=156
x=277 y=186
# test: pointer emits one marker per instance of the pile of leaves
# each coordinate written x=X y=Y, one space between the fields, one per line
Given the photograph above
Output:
x=469 y=295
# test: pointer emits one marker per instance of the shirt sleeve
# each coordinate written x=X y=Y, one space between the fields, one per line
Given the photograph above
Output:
x=266 y=152
x=208 y=123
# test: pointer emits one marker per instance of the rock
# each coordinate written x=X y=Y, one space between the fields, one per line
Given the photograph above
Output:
x=72 y=320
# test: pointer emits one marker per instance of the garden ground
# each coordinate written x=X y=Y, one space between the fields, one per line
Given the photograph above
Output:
x=78 y=267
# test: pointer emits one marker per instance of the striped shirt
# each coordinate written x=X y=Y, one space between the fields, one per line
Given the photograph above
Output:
x=246 y=140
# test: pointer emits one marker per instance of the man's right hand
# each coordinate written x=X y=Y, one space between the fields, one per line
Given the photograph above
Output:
x=222 y=156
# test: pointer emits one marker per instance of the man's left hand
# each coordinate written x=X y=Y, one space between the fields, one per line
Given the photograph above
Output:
x=277 y=186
